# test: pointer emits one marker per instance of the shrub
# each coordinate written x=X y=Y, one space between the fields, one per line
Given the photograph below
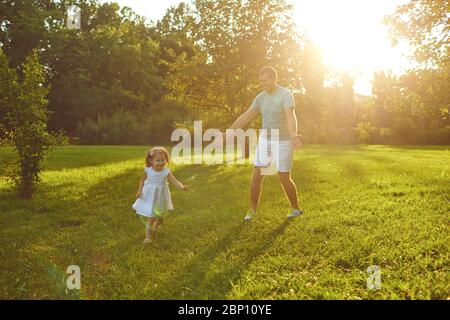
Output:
x=334 y=135
x=146 y=126
x=88 y=132
x=24 y=122
x=60 y=138
x=404 y=130
x=384 y=135
x=119 y=128
x=365 y=132
x=438 y=136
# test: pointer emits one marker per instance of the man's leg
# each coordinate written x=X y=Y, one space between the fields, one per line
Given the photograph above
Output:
x=255 y=188
x=289 y=188
x=261 y=160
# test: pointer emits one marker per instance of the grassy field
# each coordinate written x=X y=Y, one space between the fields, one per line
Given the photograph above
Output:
x=364 y=205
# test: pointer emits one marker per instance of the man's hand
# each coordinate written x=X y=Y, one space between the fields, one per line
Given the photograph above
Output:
x=296 y=142
x=138 y=194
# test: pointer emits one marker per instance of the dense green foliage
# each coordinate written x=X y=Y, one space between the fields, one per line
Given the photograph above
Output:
x=24 y=120
x=120 y=79
x=201 y=60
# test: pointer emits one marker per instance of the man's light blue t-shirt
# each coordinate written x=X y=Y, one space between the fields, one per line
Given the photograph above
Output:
x=272 y=108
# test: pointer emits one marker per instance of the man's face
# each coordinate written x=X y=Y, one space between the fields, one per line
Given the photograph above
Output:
x=267 y=83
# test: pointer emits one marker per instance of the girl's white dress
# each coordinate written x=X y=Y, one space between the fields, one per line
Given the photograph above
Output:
x=155 y=197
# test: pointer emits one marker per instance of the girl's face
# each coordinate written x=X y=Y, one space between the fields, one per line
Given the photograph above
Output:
x=159 y=161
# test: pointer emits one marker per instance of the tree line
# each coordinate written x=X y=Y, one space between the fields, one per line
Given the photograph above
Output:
x=121 y=79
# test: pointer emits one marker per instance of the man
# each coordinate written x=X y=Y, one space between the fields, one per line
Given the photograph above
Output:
x=277 y=106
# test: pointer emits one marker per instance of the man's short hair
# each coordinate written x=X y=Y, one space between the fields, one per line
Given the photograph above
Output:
x=269 y=71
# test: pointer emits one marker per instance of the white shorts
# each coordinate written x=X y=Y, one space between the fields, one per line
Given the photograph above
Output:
x=279 y=153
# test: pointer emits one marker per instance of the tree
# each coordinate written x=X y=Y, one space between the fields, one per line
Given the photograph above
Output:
x=23 y=27
x=111 y=64
x=383 y=88
x=425 y=91
x=24 y=120
x=234 y=40
x=425 y=24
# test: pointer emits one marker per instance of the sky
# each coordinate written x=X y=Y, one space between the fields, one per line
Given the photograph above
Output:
x=349 y=33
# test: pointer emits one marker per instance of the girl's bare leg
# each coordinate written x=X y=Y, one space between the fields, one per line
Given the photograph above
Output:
x=148 y=229
x=154 y=226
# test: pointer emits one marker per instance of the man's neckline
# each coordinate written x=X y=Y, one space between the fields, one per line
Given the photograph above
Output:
x=275 y=91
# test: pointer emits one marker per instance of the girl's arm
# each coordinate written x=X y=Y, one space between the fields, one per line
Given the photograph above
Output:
x=177 y=183
x=141 y=184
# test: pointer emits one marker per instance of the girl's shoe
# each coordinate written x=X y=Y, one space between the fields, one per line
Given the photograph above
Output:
x=147 y=241
x=295 y=213
x=250 y=215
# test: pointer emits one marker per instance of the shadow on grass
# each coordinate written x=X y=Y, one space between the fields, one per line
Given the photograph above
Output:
x=417 y=147
x=198 y=279
x=106 y=206
x=404 y=167
x=362 y=166
x=331 y=150
x=78 y=156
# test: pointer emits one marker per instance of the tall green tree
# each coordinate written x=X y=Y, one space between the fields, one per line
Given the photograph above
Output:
x=23 y=27
x=235 y=39
x=24 y=120
x=111 y=64
x=425 y=25
x=425 y=91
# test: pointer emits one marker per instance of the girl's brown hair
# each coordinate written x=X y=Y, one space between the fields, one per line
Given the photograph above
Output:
x=153 y=152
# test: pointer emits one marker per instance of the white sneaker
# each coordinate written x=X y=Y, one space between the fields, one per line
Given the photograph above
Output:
x=249 y=216
x=295 y=213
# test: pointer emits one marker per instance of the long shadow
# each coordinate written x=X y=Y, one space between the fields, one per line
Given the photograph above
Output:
x=333 y=149
x=232 y=274
x=95 y=206
x=194 y=282
x=397 y=167
x=186 y=282
x=63 y=159
x=66 y=158
x=189 y=278
x=35 y=233
x=416 y=147
x=355 y=167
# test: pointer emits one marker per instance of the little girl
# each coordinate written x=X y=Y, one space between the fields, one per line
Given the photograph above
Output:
x=153 y=197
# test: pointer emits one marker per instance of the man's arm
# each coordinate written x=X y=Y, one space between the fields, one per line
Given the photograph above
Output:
x=291 y=119
x=244 y=118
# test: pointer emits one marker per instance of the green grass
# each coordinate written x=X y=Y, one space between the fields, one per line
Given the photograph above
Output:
x=364 y=205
